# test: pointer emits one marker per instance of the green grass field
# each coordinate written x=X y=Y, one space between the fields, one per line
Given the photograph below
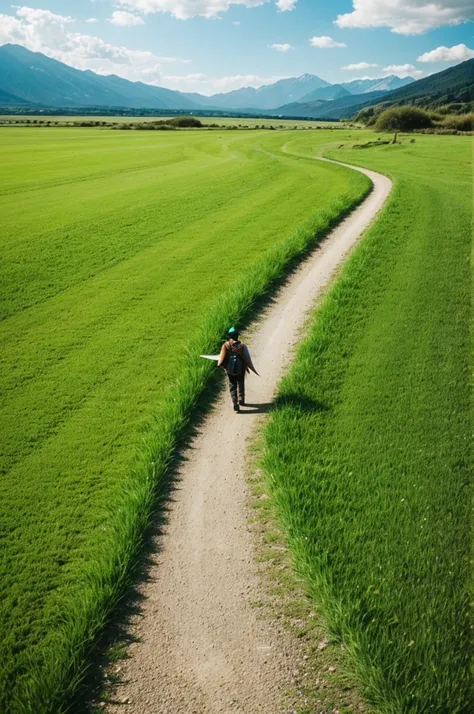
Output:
x=121 y=252
x=369 y=451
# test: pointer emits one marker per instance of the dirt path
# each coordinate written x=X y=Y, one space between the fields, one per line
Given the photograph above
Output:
x=202 y=647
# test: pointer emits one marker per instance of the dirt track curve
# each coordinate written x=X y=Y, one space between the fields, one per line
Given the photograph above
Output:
x=202 y=647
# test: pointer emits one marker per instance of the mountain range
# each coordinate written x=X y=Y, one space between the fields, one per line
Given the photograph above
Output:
x=303 y=89
x=269 y=96
x=31 y=77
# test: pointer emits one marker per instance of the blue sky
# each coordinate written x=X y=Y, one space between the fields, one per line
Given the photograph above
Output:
x=218 y=45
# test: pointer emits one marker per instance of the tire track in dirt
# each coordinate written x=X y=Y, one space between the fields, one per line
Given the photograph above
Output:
x=201 y=645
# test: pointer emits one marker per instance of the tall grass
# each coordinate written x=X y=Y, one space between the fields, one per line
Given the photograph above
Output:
x=368 y=453
x=47 y=681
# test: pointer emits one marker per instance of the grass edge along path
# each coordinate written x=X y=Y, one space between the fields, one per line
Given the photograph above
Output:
x=414 y=674
x=49 y=687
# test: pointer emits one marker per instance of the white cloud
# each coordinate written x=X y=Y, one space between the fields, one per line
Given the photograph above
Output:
x=407 y=17
x=185 y=9
x=205 y=85
x=325 y=42
x=90 y=20
x=125 y=19
x=358 y=66
x=184 y=83
x=403 y=70
x=51 y=34
x=282 y=48
x=458 y=53
x=286 y=5
x=238 y=81
x=42 y=17
x=236 y=23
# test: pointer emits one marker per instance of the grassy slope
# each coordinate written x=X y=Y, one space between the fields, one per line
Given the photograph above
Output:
x=117 y=249
x=369 y=450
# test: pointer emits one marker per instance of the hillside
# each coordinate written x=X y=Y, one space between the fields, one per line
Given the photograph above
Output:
x=305 y=110
x=10 y=100
x=451 y=82
x=334 y=91
x=319 y=109
x=452 y=86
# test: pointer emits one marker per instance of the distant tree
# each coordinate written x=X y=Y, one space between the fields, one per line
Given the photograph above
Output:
x=403 y=119
x=364 y=116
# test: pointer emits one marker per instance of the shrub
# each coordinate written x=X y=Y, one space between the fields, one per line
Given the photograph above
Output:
x=185 y=122
x=459 y=122
x=403 y=119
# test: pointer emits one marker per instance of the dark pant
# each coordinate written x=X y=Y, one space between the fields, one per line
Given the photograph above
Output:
x=237 y=383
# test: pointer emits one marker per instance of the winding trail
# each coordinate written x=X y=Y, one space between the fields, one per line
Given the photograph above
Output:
x=202 y=647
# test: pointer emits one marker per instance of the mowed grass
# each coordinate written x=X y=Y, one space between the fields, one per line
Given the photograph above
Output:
x=122 y=253
x=369 y=450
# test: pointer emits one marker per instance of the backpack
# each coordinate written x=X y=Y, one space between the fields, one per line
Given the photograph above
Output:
x=235 y=360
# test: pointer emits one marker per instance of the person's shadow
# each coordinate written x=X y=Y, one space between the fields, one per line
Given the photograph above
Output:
x=257 y=408
x=299 y=401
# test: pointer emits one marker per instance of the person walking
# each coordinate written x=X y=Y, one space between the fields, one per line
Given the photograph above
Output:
x=236 y=360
